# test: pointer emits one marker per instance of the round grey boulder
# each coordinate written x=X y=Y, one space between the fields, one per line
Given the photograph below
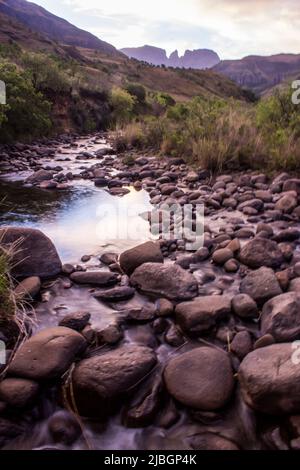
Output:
x=165 y=280
x=201 y=379
x=281 y=317
x=270 y=380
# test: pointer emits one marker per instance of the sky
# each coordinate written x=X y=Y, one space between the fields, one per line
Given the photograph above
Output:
x=233 y=28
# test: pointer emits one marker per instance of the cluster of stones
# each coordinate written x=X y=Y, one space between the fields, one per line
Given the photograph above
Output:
x=228 y=313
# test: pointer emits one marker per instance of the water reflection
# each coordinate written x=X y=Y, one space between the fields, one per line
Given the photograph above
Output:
x=80 y=220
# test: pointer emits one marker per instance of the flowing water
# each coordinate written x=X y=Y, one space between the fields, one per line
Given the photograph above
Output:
x=86 y=220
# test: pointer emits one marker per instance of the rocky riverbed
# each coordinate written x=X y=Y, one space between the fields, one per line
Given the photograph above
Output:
x=147 y=345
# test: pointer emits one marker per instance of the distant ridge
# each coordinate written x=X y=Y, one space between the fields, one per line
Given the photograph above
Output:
x=260 y=73
x=197 y=59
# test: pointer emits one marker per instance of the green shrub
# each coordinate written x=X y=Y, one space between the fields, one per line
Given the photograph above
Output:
x=137 y=91
x=123 y=105
x=45 y=74
x=27 y=114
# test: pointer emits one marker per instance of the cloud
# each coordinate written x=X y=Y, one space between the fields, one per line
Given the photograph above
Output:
x=234 y=28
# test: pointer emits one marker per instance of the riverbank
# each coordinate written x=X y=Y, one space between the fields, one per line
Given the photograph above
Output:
x=150 y=346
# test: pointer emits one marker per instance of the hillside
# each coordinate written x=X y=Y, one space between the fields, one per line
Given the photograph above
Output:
x=52 y=27
x=197 y=59
x=260 y=73
x=98 y=70
x=71 y=86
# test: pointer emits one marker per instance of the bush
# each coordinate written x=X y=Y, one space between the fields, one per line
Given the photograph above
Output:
x=123 y=105
x=45 y=74
x=278 y=119
x=27 y=114
x=137 y=91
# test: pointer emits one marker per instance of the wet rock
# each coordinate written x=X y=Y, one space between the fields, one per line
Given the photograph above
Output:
x=169 y=415
x=232 y=266
x=286 y=203
x=292 y=185
x=288 y=235
x=144 y=412
x=174 y=337
x=244 y=306
x=109 y=258
x=210 y=441
x=281 y=317
x=261 y=285
x=112 y=334
x=47 y=355
x=48 y=184
x=256 y=204
x=165 y=280
x=95 y=278
x=86 y=258
x=202 y=313
x=29 y=287
x=144 y=313
x=264 y=341
x=18 y=393
x=261 y=252
x=241 y=344
x=200 y=379
x=39 y=176
x=64 y=428
x=101 y=182
x=68 y=269
x=148 y=252
x=270 y=380
x=202 y=254
x=76 y=321
x=101 y=381
x=36 y=255
x=165 y=308
x=294 y=285
x=117 y=294
x=222 y=256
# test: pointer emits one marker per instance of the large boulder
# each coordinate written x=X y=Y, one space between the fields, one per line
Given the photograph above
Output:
x=281 y=317
x=261 y=252
x=39 y=176
x=261 y=285
x=165 y=280
x=148 y=252
x=200 y=379
x=101 y=381
x=202 y=313
x=47 y=355
x=270 y=380
x=33 y=254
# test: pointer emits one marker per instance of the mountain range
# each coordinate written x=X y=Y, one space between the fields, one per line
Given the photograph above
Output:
x=197 y=59
x=260 y=73
x=35 y=29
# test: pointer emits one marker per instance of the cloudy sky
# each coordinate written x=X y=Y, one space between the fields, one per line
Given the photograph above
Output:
x=233 y=28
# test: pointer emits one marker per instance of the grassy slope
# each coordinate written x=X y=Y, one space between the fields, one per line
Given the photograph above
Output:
x=101 y=71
